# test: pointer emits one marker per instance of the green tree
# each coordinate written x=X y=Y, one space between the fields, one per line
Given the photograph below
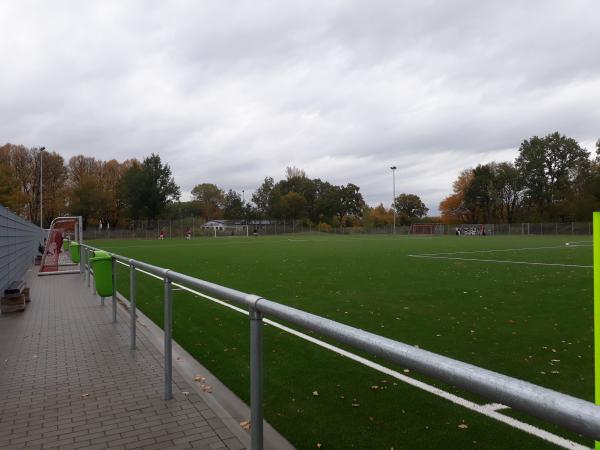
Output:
x=509 y=191
x=146 y=189
x=292 y=205
x=409 y=207
x=348 y=202
x=210 y=199
x=551 y=167
x=262 y=196
x=84 y=199
x=233 y=207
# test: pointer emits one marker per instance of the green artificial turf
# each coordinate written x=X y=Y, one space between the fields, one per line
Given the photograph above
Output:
x=533 y=322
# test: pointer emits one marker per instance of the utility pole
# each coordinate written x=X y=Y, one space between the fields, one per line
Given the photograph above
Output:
x=41 y=186
x=394 y=191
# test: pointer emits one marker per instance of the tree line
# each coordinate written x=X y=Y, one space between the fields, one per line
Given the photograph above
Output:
x=552 y=179
x=118 y=193
x=108 y=192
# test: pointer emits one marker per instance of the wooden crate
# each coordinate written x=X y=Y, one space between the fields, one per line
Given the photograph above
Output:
x=12 y=304
x=26 y=293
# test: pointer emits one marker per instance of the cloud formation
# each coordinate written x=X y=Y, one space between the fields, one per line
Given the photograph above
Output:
x=229 y=92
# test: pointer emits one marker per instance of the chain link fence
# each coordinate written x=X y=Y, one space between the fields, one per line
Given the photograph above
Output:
x=197 y=228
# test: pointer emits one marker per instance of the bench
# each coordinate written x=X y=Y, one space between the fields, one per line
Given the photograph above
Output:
x=16 y=295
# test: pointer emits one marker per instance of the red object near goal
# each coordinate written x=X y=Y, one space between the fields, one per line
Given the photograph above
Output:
x=426 y=228
x=56 y=257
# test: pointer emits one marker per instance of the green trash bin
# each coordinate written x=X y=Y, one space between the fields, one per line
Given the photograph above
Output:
x=102 y=267
x=74 y=250
x=66 y=245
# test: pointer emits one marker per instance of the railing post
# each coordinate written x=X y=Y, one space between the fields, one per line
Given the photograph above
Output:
x=256 y=379
x=132 y=299
x=81 y=260
x=87 y=266
x=168 y=327
x=114 y=294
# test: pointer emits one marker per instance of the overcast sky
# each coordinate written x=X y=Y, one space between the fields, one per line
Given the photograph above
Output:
x=229 y=92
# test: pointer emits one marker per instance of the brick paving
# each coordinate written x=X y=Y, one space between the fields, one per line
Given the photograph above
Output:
x=68 y=380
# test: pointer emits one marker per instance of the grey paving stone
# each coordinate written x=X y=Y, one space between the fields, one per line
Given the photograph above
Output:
x=68 y=380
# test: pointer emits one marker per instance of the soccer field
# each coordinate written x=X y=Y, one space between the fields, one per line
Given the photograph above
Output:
x=518 y=305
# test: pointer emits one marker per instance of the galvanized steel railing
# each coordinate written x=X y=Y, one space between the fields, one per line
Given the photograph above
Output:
x=569 y=412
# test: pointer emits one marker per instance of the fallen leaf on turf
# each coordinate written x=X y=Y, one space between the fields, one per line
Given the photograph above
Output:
x=464 y=426
x=371 y=418
x=245 y=424
x=318 y=445
x=316 y=393
x=374 y=387
x=356 y=405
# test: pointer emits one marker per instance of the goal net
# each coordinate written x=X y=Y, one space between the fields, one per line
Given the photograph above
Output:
x=56 y=258
x=426 y=228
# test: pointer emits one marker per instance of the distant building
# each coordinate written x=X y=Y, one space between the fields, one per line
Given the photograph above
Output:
x=212 y=224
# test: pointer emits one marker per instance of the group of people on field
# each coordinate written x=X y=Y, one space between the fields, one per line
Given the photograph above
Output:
x=470 y=230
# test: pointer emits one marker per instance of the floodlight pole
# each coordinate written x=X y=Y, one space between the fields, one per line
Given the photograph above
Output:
x=394 y=191
x=41 y=186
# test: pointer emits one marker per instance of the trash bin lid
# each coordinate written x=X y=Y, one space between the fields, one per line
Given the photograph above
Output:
x=74 y=244
x=100 y=255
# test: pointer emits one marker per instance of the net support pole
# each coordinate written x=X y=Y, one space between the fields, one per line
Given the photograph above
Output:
x=596 y=237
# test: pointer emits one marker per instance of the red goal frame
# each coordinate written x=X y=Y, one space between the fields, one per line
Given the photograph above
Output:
x=426 y=228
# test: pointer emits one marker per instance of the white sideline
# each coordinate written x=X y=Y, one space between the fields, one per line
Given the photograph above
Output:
x=489 y=410
x=504 y=261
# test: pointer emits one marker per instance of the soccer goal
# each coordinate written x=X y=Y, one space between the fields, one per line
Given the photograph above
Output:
x=56 y=258
x=426 y=228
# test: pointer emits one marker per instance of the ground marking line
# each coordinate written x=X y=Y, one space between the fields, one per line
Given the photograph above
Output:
x=497 y=250
x=489 y=410
x=505 y=261
x=496 y=406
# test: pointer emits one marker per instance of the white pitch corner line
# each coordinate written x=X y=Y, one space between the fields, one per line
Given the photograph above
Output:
x=489 y=410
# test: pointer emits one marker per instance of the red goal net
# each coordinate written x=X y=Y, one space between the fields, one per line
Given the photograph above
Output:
x=426 y=228
x=57 y=257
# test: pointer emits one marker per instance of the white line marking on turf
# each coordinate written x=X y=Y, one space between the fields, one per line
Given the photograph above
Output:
x=496 y=250
x=496 y=406
x=486 y=410
x=503 y=261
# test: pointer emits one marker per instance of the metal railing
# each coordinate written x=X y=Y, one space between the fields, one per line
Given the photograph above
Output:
x=572 y=413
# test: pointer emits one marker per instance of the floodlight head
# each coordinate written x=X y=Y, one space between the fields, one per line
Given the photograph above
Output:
x=393 y=167
x=42 y=149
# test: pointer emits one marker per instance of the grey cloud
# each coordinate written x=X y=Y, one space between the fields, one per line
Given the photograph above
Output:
x=229 y=92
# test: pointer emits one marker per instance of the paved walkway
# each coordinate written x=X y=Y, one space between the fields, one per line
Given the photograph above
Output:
x=68 y=380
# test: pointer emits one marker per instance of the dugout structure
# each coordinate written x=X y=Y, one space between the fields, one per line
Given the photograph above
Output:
x=426 y=228
x=56 y=258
